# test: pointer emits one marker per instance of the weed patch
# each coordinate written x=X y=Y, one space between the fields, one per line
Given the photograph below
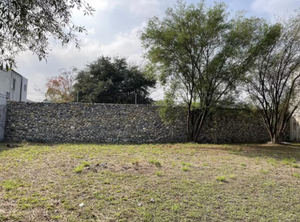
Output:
x=155 y=162
x=221 y=178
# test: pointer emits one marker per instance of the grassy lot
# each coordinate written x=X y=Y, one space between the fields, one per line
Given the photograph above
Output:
x=180 y=182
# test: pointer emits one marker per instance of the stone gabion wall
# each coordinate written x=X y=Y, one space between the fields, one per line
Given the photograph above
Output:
x=114 y=123
x=79 y=122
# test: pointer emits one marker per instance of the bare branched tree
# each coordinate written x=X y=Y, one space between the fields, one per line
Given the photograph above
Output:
x=273 y=79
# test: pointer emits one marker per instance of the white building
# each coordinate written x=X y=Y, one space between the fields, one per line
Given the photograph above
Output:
x=13 y=86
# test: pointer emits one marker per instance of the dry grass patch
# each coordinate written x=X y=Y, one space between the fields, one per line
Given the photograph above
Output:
x=178 y=182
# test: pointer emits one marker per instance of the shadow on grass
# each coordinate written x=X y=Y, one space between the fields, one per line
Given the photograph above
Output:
x=5 y=146
x=278 y=152
x=8 y=146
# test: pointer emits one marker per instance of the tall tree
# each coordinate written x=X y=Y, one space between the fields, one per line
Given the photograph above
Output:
x=275 y=75
x=200 y=55
x=28 y=24
x=108 y=80
x=59 y=88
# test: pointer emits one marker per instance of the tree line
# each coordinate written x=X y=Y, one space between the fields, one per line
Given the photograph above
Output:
x=106 y=80
x=203 y=55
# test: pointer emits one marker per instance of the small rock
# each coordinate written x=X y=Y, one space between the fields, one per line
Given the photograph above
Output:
x=152 y=200
x=81 y=205
x=104 y=165
x=140 y=204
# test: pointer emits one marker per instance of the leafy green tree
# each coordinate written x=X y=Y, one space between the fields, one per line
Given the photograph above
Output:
x=200 y=54
x=108 y=80
x=275 y=76
x=28 y=24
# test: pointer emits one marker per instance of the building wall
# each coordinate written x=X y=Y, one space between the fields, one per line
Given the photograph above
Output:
x=15 y=93
x=115 y=123
x=6 y=80
x=25 y=90
x=2 y=115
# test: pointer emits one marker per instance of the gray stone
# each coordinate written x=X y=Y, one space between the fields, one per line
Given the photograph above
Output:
x=117 y=123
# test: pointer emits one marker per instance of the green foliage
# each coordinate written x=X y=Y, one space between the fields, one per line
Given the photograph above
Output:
x=200 y=55
x=169 y=111
x=108 y=80
x=27 y=25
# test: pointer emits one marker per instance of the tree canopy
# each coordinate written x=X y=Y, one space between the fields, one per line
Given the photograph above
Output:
x=59 y=89
x=200 y=55
x=28 y=25
x=112 y=80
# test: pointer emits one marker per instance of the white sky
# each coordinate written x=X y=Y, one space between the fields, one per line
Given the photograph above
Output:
x=113 y=31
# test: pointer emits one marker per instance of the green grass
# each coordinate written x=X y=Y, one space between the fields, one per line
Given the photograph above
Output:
x=185 y=168
x=79 y=169
x=155 y=162
x=162 y=182
x=221 y=178
x=159 y=173
x=186 y=164
x=297 y=175
x=289 y=161
x=11 y=184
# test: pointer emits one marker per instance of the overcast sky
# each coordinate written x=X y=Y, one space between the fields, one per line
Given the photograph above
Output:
x=113 y=31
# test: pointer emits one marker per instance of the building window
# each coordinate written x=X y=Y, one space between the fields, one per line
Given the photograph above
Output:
x=13 y=84
x=25 y=88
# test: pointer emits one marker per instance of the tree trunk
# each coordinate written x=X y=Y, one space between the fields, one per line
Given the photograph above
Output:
x=276 y=139
x=189 y=125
